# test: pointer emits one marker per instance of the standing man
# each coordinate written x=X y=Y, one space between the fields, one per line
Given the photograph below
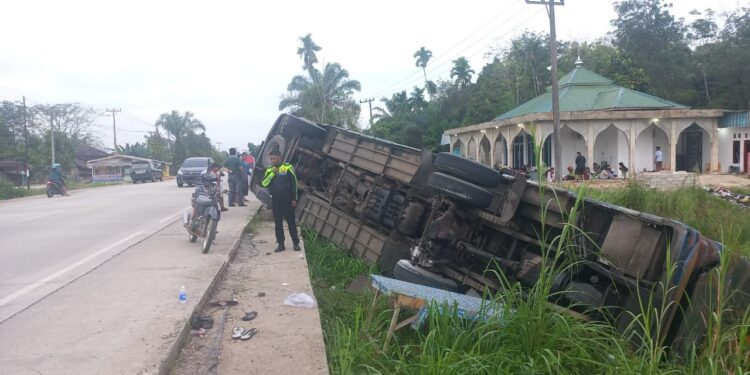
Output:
x=236 y=172
x=658 y=158
x=580 y=165
x=245 y=182
x=282 y=184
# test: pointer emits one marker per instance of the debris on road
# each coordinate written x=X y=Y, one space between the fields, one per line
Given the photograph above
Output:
x=726 y=194
x=299 y=300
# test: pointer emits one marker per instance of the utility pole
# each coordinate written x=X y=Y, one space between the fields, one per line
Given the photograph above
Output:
x=52 y=133
x=114 y=126
x=369 y=101
x=550 y=4
x=26 y=145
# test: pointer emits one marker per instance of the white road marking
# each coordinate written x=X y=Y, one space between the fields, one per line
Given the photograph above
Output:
x=162 y=221
x=65 y=270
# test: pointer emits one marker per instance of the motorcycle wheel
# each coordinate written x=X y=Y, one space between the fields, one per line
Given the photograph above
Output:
x=49 y=193
x=210 y=235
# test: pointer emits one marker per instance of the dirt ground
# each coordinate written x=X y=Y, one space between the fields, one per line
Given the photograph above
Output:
x=714 y=180
x=289 y=339
x=725 y=180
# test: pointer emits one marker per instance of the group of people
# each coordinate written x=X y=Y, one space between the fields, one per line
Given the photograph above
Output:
x=280 y=180
x=582 y=172
x=240 y=168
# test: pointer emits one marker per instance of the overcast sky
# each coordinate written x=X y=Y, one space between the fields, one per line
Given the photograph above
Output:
x=230 y=61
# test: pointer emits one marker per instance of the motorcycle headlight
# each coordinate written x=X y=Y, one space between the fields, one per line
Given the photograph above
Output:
x=179 y=172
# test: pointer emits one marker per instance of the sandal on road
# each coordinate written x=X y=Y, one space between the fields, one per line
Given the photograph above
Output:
x=224 y=303
x=247 y=335
x=237 y=332
x=249 y=316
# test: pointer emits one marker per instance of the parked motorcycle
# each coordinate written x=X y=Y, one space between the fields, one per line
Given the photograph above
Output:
x=54 y=187
x=203 y=218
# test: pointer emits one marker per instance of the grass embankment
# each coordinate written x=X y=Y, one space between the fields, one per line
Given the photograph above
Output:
x=532 y=338
x=9 y=191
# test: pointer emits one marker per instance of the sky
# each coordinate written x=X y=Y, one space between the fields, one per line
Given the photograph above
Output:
x=229 y=62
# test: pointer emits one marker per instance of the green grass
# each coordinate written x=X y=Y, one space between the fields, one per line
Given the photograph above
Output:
x=713 y=216
x=9 y=191
x=530 y=337
x=252 y=224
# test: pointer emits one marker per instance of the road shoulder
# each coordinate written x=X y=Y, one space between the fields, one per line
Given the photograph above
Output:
x=289 y=339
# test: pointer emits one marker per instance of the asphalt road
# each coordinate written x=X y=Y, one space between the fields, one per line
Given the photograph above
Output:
x=47 y=242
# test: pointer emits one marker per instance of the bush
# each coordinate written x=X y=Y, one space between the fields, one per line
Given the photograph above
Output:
x=8 y=191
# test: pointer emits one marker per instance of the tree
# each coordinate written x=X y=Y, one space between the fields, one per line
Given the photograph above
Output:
x=462 y=72
x=252 y=148
x=307 y=51
x=137 y=149
x=157 y=146
x=647 y=32
x=324 y=96
x=11 y=130
x=71 y=118
x=179 y=129
x=416 y=99
x=423 y=56
x=725 y=62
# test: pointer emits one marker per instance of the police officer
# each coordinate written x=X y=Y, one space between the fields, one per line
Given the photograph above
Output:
x=282 y=184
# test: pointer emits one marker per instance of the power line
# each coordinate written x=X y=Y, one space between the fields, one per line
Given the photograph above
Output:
x=431 y=71
x=439 y=57
x=445 y=54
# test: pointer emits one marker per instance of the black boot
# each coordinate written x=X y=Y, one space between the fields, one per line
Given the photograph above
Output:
x=296 y=247
x=279 y=248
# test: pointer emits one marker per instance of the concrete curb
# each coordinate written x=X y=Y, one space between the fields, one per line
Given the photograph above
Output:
x=167 y=365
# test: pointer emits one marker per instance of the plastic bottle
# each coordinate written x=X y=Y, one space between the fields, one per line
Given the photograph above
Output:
x=183 y=294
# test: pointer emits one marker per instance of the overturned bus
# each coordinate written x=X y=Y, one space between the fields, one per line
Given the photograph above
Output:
x=448 y=222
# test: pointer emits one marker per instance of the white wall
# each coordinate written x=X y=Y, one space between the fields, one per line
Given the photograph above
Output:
x=726 y=138
x=501 y=152
x=725 y=148
x=645 y=147
x=471 y=150
x=611 y=145
x=570 y=143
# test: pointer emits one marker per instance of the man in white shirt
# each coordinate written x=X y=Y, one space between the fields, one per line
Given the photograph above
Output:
x=658 y=158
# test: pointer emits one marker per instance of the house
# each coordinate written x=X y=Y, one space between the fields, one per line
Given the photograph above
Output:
x=117 y=167
x=82 y=153
x=12 y=172
x=734 y=136
x=608 y=123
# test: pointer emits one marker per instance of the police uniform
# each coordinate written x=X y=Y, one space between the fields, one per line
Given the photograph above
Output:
x=283 y=189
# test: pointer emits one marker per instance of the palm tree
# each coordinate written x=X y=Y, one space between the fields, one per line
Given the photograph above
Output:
x=462 y=72
x=416 y=99
x=423 y=56
x=307 y=51
x=325 y=95
x=398 y=103
x=178 y=128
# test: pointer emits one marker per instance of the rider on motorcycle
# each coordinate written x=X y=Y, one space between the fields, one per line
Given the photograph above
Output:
x=56 y=177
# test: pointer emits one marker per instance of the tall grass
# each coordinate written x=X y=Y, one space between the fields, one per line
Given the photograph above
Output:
x=530 y=336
